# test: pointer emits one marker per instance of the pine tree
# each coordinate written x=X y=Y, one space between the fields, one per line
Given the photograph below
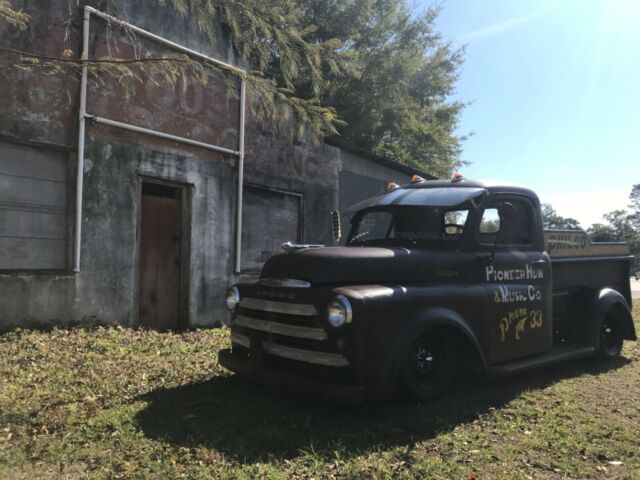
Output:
x=392 y=80
x=17 y=18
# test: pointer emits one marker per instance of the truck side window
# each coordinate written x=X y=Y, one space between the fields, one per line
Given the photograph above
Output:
x=489 y=225
x=509 y=221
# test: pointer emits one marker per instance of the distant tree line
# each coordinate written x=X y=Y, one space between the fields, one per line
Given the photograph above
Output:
x=619 y=225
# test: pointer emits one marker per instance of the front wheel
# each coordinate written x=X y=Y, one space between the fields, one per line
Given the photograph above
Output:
x=430 y=365
x=610 y=340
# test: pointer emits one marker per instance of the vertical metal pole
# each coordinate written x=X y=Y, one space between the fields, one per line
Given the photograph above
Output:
x=240 y=174
x=81 y=127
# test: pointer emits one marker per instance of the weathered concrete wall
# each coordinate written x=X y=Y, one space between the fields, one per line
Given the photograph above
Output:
x=39 y=107
x=361 y=178
x=105 y=289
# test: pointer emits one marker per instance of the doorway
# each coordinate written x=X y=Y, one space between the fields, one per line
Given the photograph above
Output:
x=160 y=292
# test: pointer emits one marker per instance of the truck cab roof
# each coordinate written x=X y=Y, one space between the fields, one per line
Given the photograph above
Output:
x=492 y=186
x=442 y=193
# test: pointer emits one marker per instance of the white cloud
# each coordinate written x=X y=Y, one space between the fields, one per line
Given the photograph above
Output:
x=497 y=28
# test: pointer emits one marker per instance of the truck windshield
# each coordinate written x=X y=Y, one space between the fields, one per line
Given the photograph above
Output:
x=401 y=225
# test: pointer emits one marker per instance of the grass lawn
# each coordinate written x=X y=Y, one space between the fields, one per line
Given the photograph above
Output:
x=115 y=403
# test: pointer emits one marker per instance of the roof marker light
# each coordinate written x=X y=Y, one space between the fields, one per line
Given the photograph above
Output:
x=457 y=177
x=417 y=179
x=392 y=186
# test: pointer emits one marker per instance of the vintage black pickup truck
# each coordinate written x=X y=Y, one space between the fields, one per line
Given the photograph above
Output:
x=434 y=276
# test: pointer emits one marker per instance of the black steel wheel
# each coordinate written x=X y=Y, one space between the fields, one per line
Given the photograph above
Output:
x=429 y=366
x=610 y=341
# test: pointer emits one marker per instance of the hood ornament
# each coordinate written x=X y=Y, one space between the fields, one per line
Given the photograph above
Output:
x=292 y=247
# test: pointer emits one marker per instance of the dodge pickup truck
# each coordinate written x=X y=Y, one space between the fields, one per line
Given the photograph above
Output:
x=434 y=276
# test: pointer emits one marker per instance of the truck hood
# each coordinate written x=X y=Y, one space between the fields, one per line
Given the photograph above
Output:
x=345 y=265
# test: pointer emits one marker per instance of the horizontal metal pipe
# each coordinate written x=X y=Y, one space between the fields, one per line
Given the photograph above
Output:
x=155 y=133
x=153 y=36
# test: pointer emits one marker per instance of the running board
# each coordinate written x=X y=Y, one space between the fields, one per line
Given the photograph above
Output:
x=561 y=353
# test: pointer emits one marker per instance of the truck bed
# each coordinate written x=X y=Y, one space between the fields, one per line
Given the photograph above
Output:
x=579 y=264
x=581 y=268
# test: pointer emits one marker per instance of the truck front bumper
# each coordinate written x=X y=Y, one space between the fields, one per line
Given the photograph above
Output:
x=318 y=389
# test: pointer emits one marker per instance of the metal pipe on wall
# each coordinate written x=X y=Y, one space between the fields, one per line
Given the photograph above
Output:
x=164 y=41
x=82 y=117
x=156 y=133
x=240 y=176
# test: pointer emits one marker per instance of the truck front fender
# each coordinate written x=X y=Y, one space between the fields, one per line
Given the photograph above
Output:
x=420 y=323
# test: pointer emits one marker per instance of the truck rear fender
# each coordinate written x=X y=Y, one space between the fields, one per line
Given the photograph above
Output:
x=423 y=321
x=611 y=302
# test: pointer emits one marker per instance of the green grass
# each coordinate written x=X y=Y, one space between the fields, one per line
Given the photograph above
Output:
x=116 y=403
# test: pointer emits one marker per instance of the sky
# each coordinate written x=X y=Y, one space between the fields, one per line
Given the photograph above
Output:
x=554 y=88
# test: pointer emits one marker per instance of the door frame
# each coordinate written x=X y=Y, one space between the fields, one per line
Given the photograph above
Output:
x=186 y=194
x=536 y=247
x=290 y=193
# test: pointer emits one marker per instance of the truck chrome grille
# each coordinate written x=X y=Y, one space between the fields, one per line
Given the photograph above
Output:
x=279 y=307
x=310 y=333
x=309 y=356
x=286 y=330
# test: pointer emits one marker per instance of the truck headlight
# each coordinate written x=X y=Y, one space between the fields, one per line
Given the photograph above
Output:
x=233 y=298
x=339 y=311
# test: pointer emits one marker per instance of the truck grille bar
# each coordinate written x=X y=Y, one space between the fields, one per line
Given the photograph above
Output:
x=279 y=307
x=281 y=328
x=309 y=356
x=284 y=283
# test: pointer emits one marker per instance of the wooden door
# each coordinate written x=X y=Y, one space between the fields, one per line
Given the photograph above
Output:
x=160 y=234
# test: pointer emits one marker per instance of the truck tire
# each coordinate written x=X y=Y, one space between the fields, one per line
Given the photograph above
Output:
x=610 y=339
x=430 y=365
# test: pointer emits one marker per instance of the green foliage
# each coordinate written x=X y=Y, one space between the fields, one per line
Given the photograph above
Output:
x=618 y=226
x=391 y=80
x=621 y=225
x=634 y=205
x=371 y=71
x=129 y=73
x=17 y=18
x=269 y=35
x=272 y=37
x=551 y=219
x=385 y=72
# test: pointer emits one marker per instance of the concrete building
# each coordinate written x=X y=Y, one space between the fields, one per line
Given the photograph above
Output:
x=158 y=230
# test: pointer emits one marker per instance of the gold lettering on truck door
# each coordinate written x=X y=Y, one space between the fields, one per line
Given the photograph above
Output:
x=519 y=317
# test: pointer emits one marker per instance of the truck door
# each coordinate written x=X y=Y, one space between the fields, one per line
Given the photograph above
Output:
x=516 y=273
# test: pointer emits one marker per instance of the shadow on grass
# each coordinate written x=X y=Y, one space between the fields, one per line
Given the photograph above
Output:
x=251 y=423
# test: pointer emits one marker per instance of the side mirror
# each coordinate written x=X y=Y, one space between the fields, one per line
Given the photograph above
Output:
x=335 y=224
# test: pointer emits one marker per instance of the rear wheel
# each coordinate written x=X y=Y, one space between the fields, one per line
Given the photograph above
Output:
x=430 y=365
x=610 y=339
